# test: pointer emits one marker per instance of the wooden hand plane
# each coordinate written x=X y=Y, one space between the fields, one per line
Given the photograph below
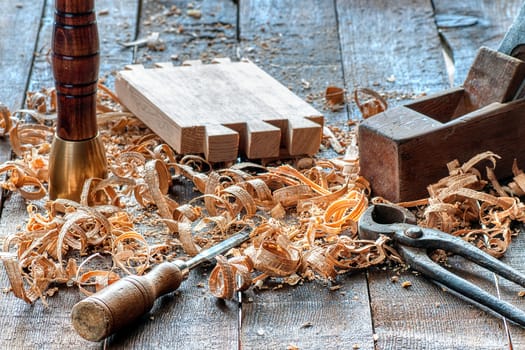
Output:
x=405 y=149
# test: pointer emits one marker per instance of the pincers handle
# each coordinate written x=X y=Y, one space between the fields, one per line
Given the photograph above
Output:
x=124 y=301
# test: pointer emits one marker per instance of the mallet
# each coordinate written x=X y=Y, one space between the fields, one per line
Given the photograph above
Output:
x=124 y=301
x=77 y=152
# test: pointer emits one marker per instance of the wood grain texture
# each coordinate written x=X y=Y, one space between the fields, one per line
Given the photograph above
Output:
x=298 y=46
x=295 y=43
x=515 y=257
x=423 y=316
x=17 y=51
x=467 y=25
x=388 y=56
x=36 y=326
x=17 y=48
x=389 y=46
x=221 y=110
x=309 y=316
x=212 y=35
x=75 y=60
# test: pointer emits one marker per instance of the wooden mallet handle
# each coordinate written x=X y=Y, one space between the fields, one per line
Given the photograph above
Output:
x=75 y=58
x=124 y=301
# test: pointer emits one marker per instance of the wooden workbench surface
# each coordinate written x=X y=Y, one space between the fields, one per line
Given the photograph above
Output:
x=396 y=47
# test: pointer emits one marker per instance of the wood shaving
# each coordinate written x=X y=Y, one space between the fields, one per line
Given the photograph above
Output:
x=474 y=207
x=153 y=41
x=304 y=217
x=406 y=284
x=369 y=102
x=334 y=97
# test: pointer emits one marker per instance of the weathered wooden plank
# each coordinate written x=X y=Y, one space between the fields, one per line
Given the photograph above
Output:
x=17 y=51
x=16 y=56
x=399 y=54
x=515 y=257
x=36 y=326
x=191 y=30
x=17 y=48
x=190 y=318
x=309 y=316
x=468 y=25
x=298 y=45
x=424 y=316
x=392 y=48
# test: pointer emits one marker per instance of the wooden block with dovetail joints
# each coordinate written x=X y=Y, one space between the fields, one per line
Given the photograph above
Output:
x=403 y=150
x=221 y=110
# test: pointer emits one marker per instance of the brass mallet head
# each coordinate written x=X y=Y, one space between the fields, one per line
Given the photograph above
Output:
x=73 y=162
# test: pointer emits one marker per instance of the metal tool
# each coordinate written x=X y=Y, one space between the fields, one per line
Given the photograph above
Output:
x=414 y=242
x=513 y=42
x=124 y=301
x=77 y=152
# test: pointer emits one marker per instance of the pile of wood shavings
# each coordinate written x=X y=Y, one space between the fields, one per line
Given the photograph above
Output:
x=474 y=207
x=304 y=217
x=65 y=242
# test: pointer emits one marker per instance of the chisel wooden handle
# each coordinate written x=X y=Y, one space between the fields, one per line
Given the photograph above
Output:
x=124 y=301
x=75 y=59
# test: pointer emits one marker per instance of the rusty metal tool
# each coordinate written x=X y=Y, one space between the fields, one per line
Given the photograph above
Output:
x=414 y=243
x=405 y=149
x=77 y=152
x=105 y=312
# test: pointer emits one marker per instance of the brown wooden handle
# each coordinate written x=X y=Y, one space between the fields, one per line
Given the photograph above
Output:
x=75 y=60
x=124 y=301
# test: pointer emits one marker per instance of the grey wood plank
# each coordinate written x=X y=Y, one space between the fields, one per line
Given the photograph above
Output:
x=424 y=316
x=402 y=42
x=468 y=25
x=17 y=48
x=295 y=44
x=510 y=292
x=309 y=316
x=186 y=36
x=35 y=326
x=391 y=48
x=191 y=318
x=17 y=51
x=299 y=46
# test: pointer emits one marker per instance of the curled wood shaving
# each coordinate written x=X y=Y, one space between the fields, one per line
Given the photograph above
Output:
x=369 y=102
x=6 y=121
x=22 y=179
x=305 y=217
x=476 y=208
x=230 y=276
x=334 y=97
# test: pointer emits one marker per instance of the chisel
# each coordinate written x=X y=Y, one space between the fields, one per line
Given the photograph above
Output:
x=124 y=301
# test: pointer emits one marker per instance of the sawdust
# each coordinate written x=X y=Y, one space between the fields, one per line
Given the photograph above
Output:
x=304 y=214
